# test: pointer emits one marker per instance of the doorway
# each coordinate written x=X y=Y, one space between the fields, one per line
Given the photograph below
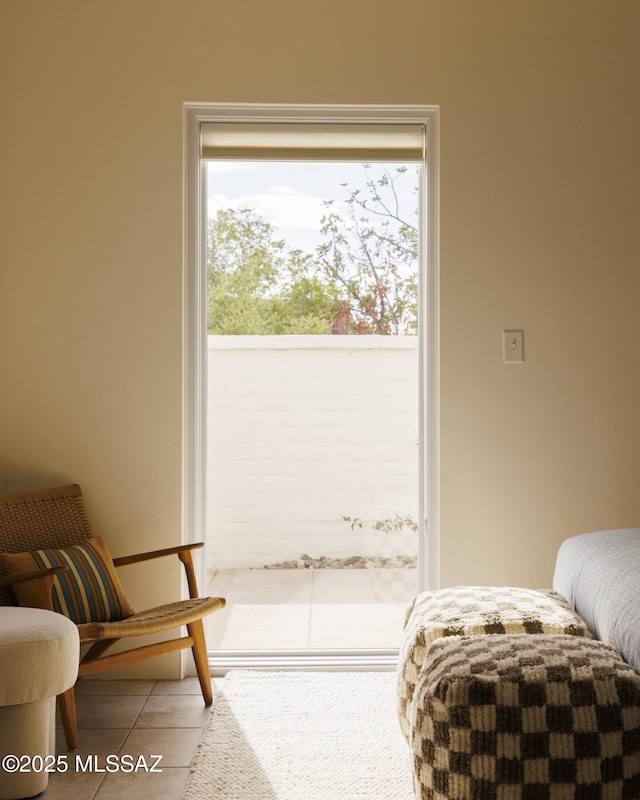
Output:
x=313 y=415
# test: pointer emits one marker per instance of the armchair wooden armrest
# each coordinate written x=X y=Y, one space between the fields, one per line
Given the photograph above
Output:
x=183 y=552
x=45 y=583
x=167 y=551
x=38 y=574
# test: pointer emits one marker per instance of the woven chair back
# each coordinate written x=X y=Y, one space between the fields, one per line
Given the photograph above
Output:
x=44 y=518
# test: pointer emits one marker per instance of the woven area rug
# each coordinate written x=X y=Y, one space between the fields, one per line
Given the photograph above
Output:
x=303 y=736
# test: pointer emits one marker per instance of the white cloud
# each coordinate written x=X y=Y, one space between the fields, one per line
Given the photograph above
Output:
x=296 y=216
x=283 y=190
x=283 y=209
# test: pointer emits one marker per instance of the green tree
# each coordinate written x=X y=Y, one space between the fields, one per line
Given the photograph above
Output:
x=363 y=278
x=370 y=255
x=257 y=285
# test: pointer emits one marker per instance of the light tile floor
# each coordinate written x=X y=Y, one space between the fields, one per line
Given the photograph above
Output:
x=137 y=718
x=295 y=609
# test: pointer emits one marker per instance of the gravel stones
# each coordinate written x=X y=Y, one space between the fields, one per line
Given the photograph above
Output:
x=351 y=562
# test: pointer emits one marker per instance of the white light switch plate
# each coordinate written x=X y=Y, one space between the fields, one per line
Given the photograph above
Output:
x=513 y=347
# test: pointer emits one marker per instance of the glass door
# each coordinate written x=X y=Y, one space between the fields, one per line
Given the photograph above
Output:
x=312 y=449
x=311 y=371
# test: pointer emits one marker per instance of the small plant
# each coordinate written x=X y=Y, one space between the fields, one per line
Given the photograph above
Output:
x=395 y=523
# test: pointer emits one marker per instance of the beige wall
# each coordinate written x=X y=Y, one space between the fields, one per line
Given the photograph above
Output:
x=540 y=168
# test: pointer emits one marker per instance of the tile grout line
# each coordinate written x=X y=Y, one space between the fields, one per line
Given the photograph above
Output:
x=133 y=724
x=124 y=741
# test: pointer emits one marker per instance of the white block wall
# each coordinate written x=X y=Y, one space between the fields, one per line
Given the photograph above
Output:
x=301 y=431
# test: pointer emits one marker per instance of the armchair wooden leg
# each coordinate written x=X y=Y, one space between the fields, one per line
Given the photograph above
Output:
x=199 y=650
x=67 y=706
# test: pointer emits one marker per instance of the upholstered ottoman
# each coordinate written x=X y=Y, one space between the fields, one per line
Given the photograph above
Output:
x=521 y=717
x=472 y=611
x=38 y=660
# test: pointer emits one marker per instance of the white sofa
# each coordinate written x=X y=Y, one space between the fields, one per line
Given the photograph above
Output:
x=599 y=574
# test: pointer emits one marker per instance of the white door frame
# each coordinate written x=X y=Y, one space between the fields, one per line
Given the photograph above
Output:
x=194 y=310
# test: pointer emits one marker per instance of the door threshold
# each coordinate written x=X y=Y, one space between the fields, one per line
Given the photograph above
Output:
x=221 y=661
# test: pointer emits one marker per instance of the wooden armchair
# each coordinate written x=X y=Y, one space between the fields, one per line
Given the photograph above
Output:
x=33 y=524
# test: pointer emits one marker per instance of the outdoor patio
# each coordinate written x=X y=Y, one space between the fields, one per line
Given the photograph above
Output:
x=312 y=447
x=293 y=609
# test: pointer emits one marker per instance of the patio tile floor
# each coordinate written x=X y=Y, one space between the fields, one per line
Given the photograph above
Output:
x=293 y=609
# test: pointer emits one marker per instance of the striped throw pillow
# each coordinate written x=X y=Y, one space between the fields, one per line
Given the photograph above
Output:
x=89 y=591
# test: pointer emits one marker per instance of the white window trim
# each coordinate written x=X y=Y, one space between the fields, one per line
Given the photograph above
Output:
x=194 y=309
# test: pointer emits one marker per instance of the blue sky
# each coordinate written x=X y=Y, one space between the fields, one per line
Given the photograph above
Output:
x=290 y=194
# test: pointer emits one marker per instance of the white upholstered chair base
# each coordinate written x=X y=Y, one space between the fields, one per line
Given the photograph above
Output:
x=38 y=660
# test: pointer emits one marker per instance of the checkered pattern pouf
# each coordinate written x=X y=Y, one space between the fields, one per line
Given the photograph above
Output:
x=521 y=717
x=471 y=611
